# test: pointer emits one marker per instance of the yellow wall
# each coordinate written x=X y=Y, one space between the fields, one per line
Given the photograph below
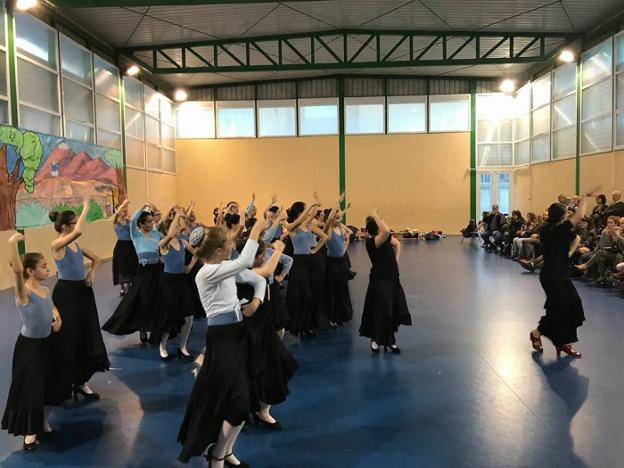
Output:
x=214 y=171
x=605 y=169
x=418 y=181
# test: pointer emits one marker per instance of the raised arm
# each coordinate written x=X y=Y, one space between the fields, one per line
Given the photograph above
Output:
x=171 y=233
x=250 y=206
x=21 y=292
x=190 y=208
x=332 y=214
x=322 y=238
x=582 y=208
x=384 y=230
x=66 y=239
x=259 y=286
x=119 y=210
x=291 y=227
x=396 y=246
x=95 y=263
x=270 y=265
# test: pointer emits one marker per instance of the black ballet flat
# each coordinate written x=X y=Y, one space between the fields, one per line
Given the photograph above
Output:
x=87 y=396
x=258 y=421
x=394 y=349
x=209 y=457
x=32 y=446
x=242 y=464
x=143 y=337
x=185 y=357
x=333 y=326
x=168 y=358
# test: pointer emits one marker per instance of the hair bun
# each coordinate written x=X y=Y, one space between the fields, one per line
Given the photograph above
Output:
x=197 y=236
x=53 y=215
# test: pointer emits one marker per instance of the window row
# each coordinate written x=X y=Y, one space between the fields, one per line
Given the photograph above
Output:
x=305 y=117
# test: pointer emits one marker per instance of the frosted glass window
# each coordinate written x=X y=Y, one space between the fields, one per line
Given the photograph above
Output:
x=107 y=112
x=596 y=135
x=487 y=131
x=37 y=86
x=166 y=111
x=619 y=92
x=106 y=78
x=78 y=102
x=134 y=123
x=364 y=115
x=564 y=112
x=154 y=160
x=2 y=24
x=35 y=39
x=597 y=100
x=151 y=102
x=449 y=113
x=168 y=161
x=619 y=52
x=168 y=136
x=39 y=121
x=4 y=112
x=541 y=148
x=541 y=91
x=522 y=152
x=76 y=62
x=152 y=130
x=485 y=192
x=3 y=73
x=541 y=121
x=195 y=120
x=236 y=119
x=407 y=114
x=564 y=143
x=522 y=127
x=564 y=80
x=619 y=129
x=318 y=116
x=135 y=156
x=79 y=132
x=596 y=64
x=108 y=139
x=277 y=118
x=133 y=92
x=503 y=192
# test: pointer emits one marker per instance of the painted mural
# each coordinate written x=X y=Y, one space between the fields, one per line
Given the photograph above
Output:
x=40 y=173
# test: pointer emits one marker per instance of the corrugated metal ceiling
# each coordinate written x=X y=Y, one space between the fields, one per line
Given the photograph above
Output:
x=123 y=27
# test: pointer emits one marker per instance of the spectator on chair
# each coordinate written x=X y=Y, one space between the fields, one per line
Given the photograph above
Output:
x=523 y=234
x=493 y=223
x=617 y=207
x=607 y=253
x=598 y=214
x=510 y=231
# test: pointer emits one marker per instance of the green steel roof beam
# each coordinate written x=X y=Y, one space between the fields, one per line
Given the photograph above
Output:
x=142 y=3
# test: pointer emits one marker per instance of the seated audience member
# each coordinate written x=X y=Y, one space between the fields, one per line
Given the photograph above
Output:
x=493 y=222
x=617 y=207
x=525 y=232
x=510 y=230
x=598 y=214
x=608 y=252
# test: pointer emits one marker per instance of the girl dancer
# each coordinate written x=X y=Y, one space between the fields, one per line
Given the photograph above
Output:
x=135 y=311
x=81 y=344
x=564 y=309
x=276 y=364
x=300 y=300
x=176 y=305
x=385 y=306
x=39 y=380
x=338 y=300
x=124 y=256
x=219 y=402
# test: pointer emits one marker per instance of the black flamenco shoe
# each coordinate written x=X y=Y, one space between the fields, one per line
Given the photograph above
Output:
x=242 y=464
x=333 y=326
x=258 y=421
x=32 y=446
x=87 y=396
x=185 y=357
x=209 y=457
x=394 y=349
x=143 y=337
x=167 y=358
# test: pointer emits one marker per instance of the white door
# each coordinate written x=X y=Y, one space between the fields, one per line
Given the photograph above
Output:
x=494 y=189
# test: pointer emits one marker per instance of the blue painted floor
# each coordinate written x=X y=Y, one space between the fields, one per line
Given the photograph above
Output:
x=466 y=392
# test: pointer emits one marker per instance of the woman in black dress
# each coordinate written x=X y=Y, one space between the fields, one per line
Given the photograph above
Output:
x=564 y=309
x=385 y=307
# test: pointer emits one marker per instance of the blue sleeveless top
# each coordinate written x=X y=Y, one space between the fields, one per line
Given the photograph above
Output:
x=335 y=245
x=147 y=249
x=36 y=316
x=122 y=231
x=174 y=259
x=303 y=241
x=71 y=266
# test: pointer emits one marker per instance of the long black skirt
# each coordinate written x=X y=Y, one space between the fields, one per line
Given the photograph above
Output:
x=320 y=318
x=385 y=309
x=221 y=390
x=276 y=365
x=337 y=297
x=198 y=308
x=39 y=379
x=137 y=309
x=176 y=302
x=278 y=310
x=564 y=312
x=80 y=339
x=299 y=297
x=125 y=262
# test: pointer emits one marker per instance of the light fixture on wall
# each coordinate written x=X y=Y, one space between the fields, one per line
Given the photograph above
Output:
x=132 y=70
x=181 y=95
x=508 y=86
x=25 y=4
x=567 y=56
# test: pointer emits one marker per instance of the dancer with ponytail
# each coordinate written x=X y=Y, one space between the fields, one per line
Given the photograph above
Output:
x=81 y=343
x=220 y=400
x=174 y=313
x=125 y=259
x=136 y=310
x=38 y=380
x=564 y=309
x=385 y=306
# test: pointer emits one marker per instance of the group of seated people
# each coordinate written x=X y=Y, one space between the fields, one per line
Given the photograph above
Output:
x=599 y=256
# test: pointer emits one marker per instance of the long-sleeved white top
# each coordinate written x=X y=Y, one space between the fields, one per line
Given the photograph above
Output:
x=216 y=282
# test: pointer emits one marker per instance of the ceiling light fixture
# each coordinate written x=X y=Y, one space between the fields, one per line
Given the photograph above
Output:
x=567 y=56
x=25 y=4
x=132 y=70
x=181 y=95
x=508 y=86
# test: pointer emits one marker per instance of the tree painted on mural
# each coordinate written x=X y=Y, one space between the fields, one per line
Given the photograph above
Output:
x=29 y=152
x=115 y=159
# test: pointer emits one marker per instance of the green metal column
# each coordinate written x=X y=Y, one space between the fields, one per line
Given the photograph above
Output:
x=122 y=113
x=341 y=141
x=577 y=186
x=473 y=150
